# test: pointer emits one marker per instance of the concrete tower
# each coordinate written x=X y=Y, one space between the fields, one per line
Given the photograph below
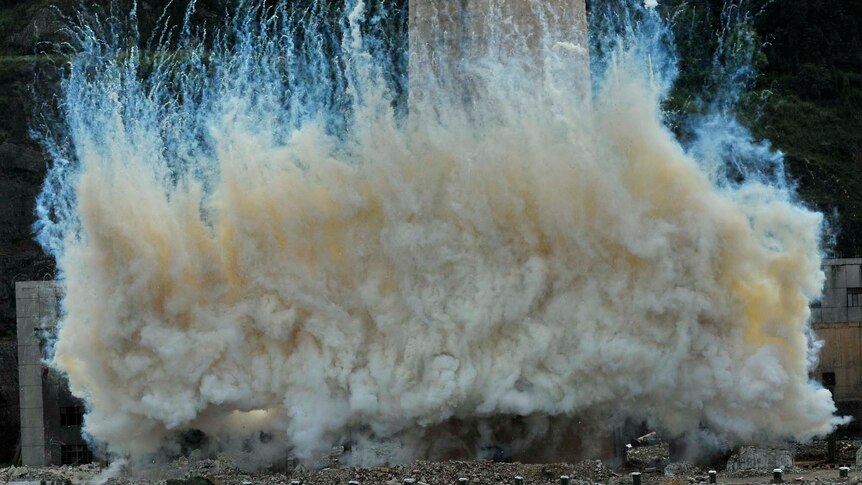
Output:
x=454 y=31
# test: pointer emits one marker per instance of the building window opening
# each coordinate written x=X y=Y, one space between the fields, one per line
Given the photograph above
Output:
x=829 y=380
x=71 y=416
x=854 y=297
x=75 y=454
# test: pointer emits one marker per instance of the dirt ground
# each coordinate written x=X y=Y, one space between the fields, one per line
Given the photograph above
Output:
x=224 y=472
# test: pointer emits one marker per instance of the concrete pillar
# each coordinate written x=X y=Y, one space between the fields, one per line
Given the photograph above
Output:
x=445 y=33
x=36 y=307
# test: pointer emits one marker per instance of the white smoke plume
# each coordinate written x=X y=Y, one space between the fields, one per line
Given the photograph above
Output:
x=258 y=243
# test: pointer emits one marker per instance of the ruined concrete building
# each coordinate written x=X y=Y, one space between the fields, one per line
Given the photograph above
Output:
x=51 y=417
x=837 y=321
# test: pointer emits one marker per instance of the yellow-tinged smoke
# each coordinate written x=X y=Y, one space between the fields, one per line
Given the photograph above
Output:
x=530 y=258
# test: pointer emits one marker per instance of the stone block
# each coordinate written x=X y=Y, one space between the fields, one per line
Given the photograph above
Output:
x=748 y=458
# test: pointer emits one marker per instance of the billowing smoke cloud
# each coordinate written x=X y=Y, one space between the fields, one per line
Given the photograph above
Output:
x=255 y=237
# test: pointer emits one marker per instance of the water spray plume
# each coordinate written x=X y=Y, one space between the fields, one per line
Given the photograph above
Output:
x=260 y=238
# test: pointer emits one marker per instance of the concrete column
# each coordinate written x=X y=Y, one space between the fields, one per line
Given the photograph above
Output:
x=445 y=33
x=32 y=298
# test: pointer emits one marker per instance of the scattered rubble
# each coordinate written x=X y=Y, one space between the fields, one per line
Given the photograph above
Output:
x=818 y=452
x=681 y=469
x=58 y=475
x=223 y=471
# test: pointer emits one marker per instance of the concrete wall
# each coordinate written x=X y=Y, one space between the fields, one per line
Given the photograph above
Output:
x=839 y=326
x=842 y=355
x=841 y=275
x=36 y=303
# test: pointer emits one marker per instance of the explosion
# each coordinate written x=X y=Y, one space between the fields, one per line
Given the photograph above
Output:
x=262 y=239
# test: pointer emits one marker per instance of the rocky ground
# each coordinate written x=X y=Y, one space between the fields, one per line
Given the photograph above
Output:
x=223 y=471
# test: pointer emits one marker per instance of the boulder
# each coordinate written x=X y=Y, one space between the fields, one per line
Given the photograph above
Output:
x=655 y=457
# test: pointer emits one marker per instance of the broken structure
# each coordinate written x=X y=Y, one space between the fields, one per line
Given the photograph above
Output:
x=51 y=417
x=837 y=321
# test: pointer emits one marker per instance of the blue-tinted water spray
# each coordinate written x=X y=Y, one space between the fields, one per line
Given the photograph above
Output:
x=266 y=229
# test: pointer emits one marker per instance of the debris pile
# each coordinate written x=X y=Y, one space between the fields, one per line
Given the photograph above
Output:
x=56 y=475
x=818 y=451
x=222 y=471
x=648 y=458
x=681 y=469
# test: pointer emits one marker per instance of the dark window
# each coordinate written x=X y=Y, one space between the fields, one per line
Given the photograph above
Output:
x=829 y=380
x=71 y=416
x=816 y=304
x=854 y=297
x=75 y=454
